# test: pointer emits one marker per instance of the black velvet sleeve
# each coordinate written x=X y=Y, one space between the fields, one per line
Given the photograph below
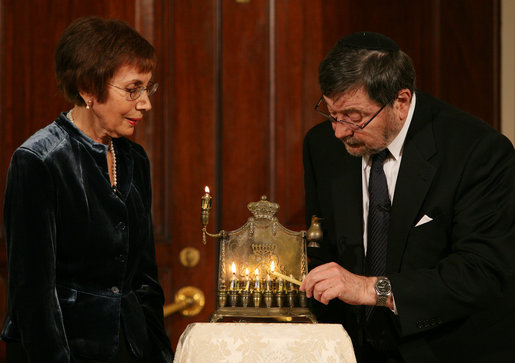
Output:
x=29 y=216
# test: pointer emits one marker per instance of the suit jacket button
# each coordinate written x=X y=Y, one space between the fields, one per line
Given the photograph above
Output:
x=115 y=289
x=121 y=226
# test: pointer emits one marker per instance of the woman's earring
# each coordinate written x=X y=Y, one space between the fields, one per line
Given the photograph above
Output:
x=88 y=105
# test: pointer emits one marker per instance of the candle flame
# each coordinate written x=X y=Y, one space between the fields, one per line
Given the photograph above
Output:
x=247 y=271
x=206 y=189
x=272 y=266
x=256 y=272
x=233 y=268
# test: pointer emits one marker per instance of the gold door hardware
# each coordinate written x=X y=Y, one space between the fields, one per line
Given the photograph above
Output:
x=189 y=257
x=189 y=301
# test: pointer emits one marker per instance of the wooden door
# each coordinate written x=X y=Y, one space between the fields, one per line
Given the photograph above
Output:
x=238 y=82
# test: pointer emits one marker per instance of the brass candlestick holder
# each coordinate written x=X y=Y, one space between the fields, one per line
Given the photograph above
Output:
x=205 y=208
x=263 y=246
x=245 y=295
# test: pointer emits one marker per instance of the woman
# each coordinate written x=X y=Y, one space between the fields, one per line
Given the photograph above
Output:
x=83 y=283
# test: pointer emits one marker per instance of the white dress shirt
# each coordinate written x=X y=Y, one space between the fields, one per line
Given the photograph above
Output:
x=391 y=170
x=391 y=167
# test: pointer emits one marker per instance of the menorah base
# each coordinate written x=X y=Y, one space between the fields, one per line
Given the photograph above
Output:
x=273 y=314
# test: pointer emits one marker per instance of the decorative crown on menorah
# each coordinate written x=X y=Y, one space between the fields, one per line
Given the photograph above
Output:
x=263 y=209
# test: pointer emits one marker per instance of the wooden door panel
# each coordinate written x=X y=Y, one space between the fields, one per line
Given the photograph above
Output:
x=298 y=51
x=244 y=129
x=192 y=146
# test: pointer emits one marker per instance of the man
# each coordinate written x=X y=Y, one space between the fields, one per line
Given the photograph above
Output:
x=418 y=205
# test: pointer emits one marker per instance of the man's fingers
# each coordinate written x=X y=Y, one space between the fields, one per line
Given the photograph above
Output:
x=326 y=294
x=327 y=289
x=319 y=274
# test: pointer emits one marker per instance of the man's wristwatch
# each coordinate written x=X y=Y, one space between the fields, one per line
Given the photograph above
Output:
x=383 y=290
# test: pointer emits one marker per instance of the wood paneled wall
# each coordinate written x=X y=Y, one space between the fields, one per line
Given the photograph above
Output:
x=238 y=82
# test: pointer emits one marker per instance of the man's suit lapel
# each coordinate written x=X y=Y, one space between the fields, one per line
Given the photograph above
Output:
x=415 y=176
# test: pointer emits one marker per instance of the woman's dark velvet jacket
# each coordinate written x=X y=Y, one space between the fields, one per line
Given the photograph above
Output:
x=81 y=258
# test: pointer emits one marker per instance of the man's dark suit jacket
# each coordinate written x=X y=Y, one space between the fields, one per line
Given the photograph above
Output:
x=451 y=277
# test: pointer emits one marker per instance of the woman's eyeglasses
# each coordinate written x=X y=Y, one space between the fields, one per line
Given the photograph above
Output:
x=136 y=92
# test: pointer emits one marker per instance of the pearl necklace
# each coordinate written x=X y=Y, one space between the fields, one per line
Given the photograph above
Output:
x=109 y=148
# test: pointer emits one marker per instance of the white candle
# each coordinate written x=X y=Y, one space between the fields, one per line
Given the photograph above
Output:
x=246 y=283
x=206 y=200
x=287 y=278
x=268 y=283
x=257 y=282
x=234 y=279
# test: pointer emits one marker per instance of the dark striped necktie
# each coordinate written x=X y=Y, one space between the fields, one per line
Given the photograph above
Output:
x=378 y=217
x=378 y=220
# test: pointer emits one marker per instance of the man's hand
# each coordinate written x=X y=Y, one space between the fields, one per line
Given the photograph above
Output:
x=330 y=281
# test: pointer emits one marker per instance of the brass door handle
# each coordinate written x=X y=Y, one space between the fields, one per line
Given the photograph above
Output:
x=189 y=301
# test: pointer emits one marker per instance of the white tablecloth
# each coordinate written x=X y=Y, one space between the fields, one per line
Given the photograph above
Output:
x=264 y=342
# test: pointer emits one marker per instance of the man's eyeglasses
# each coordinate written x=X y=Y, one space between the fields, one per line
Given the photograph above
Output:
x=135 y=93
x=321 y=108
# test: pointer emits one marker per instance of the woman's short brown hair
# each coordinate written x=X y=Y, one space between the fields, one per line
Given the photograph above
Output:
x=90 y=52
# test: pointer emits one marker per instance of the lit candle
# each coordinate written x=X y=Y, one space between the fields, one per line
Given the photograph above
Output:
x=292 y=284
x=268 y=283
x=247 y=280
x=280 y=285
x=206 y=200
x=234 y=279
x=257 y=282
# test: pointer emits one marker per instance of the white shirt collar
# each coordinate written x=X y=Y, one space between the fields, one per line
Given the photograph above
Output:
x=396 y=146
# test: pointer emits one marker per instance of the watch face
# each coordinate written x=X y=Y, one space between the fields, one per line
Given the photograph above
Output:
x=383 y=286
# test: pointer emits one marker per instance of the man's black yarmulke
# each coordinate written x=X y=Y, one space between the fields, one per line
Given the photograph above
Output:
x=371 y=41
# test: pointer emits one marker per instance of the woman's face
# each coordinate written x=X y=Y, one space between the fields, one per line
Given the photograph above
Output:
x=119 y=114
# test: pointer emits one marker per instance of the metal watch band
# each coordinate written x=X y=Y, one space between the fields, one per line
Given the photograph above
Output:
x=383 y=290
x=381 y=300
